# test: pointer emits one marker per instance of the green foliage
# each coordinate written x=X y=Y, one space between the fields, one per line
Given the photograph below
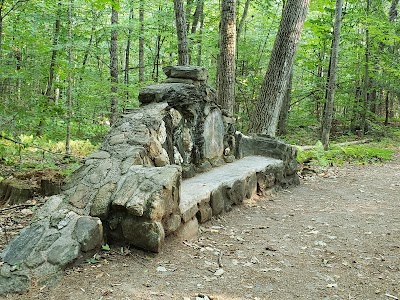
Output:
x=95 y=259
x=34 y=153
x=337 y=155
x=106 y=247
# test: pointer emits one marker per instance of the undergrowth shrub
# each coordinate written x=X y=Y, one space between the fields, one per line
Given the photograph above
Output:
x=337 y=155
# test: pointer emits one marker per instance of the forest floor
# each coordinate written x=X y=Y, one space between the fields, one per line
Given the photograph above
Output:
x=336 y=236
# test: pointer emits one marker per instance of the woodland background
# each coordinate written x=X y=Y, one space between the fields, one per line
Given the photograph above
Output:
x=58 y=90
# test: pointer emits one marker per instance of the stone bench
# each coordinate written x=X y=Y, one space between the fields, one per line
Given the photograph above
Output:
x=175 y=161
x=210 y=193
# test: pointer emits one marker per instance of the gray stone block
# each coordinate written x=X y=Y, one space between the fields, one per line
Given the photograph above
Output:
x=189 y=72
x=79 y=198
x=172 y=223
x=63 y=252
x=102 y=201
x=204 y=211
x=251 y=186
x=217 y=201
x=88 y=232
x=22 y=246
x=99 y=155
x=213 y=135
x=143 y=234
x=236 y=193
x=189 y=230
x=14 y=284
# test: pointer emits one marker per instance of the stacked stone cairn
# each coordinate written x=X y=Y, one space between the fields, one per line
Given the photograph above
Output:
x=128 y=191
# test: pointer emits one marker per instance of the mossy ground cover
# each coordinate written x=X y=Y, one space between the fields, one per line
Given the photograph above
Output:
x=382 y=143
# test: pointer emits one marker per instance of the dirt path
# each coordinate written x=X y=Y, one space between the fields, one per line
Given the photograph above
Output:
x=332 y=237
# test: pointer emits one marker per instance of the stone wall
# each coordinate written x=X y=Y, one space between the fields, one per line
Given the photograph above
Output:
x=129 y=190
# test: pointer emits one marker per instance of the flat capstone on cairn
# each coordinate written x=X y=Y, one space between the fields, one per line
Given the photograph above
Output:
x=138 y=187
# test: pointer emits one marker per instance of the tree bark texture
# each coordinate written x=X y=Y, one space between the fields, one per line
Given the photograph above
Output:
x=283 y=116
x=200 y=38
x=366 y=76
x=1 y=33
x=114 y=66
x=70 y=79
x=54 y=52
x=387 y=109
x=181 y=30
x=266 y=113
x=393 y=10
x=227 y=56
x=141 y=41
x=196 y=16
x=127 y=58
x=331 y=88
x=243 y=19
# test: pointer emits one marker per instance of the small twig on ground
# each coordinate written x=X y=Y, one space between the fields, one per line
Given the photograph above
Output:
x=391 y=296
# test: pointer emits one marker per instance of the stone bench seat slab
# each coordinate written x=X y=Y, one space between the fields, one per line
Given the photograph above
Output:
x=199 y=188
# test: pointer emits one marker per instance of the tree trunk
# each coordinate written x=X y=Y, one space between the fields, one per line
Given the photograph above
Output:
x=18 y=58
x=393 y=10
x=242 y=20
x=227 y=55
x=200 y=38
x=196 y=16
x=267 y=109
x=366 y=77
x=283 y=116
x=387 y=109
x=127 y=53
x=197 y=19
x=156 y=65
x=331 y=88
x=114 y=66
x=69 y=88
x=181 y=30
x=87 y=51
x=50 y=79
x=141 y=41
x=1 y=32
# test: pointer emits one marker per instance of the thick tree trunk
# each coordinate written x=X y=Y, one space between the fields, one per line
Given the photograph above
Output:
x=141 y=41
x=283 y=116
x=181 y=30
x=227 y=55
x=267 y=109
x=114 y=67
x=331 y=88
